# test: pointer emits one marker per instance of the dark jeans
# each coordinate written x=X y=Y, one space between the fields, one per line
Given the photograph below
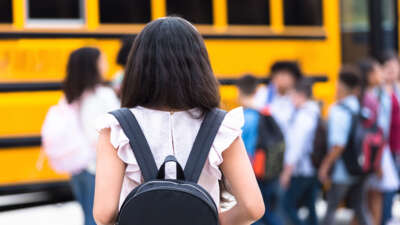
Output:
x=387 y=206
x=301 y=192
x=82 y=185
x=271 y=193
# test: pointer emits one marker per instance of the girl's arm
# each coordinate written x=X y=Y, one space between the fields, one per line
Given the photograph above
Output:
x=243 y=185
x=110 y=172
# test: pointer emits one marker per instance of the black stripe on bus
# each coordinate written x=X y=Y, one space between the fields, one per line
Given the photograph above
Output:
x=35 y=35
x=55 y=86
x=20 y=142
x=47 y=193
x=313 y=79
x=30 y=86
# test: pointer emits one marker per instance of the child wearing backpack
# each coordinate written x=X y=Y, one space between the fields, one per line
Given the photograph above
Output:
x=299 y=176
x=339 y=129
x=247 y=86
x=170 y=95
x=69 y=132
x=389 y=116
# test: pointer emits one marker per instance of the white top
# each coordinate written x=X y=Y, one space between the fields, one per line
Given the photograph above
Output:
x=281 y=106
x=173 y=134
x=389 y=180
x=92 y=105
x=300 y=138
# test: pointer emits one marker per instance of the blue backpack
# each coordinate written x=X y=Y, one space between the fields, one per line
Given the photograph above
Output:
x=179 y=201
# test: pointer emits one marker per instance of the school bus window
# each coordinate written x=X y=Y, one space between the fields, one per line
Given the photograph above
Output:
x=355 y=29
x=51 y=9
x=5 y=11
x=303 y=13
x=196 y=11
x=124 y=11
x=250 y=12
x=389 y=24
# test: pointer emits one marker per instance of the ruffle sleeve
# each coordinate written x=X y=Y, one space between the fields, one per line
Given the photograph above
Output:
x=230 y=129
x=120 y=142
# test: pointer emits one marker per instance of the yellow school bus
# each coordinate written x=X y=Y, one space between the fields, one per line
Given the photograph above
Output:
x=36 y=37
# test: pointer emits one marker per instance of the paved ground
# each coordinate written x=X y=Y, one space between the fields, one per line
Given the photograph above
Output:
x=70 y=214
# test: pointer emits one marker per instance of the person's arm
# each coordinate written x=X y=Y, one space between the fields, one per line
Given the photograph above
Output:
x=243 y=185
x=109 y=177
x=328 y=161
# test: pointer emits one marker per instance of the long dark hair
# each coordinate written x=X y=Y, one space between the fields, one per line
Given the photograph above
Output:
x=366 y=66
x=82 y=73
x=168 y=67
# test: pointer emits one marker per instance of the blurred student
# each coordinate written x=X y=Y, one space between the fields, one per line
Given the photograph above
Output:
x=83 y=85
x=69 y=132
x=276 y=97
x=284 y=76
x=299 y=176
x=391 y=120
x=169 y=103
x=247 y=86
x=376 y=105
x=339 y=128
x=122 y=57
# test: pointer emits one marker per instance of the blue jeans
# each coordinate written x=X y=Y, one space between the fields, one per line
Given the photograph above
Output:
x=82 y=185
x=271 y=193
x=387 y=206
x=302 y=191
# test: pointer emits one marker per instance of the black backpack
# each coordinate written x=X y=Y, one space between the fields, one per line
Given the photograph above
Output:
x=320 y=143
x=270 y=148
x=178 y=201
x=364 y=149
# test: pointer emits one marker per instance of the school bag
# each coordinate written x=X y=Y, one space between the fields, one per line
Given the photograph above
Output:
x=270 y=148
x=320 y=143
x=179 y=201
x=364 y=149
x=63 y=140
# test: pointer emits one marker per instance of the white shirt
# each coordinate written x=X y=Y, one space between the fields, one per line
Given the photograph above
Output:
x=300 y=138
x=172 y=134
x=281 y=106
x=92 y=105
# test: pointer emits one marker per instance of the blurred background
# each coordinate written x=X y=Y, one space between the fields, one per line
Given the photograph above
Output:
x=37 y=36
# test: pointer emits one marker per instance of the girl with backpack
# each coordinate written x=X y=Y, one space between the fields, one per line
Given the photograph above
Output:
x=391 y=89
x=69 y=131
x=169 y=88
x=376 y=107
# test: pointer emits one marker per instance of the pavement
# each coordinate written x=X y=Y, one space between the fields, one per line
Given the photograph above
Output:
x=70 y=214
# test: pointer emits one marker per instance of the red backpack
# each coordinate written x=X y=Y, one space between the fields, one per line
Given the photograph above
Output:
x=365 y=145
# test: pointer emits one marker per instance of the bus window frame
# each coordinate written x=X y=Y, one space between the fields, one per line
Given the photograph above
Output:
x=56 y=23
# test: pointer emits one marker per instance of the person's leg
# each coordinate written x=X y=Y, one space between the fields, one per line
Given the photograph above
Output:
x=270 y=191
x=336 y=194
x=358 y=202
x=296 y=191
x=77 y=188
x=375 y=200
x=264 y=194
x=89 y=182
x=312 y=194
x=387 y=206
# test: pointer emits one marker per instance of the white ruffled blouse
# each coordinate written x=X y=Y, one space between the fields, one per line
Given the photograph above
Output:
x=173 y=134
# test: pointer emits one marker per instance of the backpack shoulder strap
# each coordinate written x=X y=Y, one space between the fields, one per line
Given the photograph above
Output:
x=202 y=144
x=346 y=107
x=138 y=143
